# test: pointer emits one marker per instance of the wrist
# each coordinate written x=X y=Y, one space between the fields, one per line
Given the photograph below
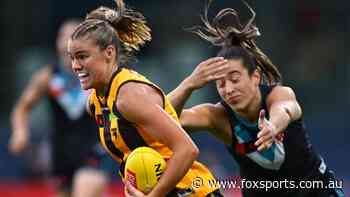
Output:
x=20 y=133
x=188 y=85
x=281 y=124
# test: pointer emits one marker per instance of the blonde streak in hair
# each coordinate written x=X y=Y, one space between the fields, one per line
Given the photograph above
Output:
x=134 y=37
x=120 y=5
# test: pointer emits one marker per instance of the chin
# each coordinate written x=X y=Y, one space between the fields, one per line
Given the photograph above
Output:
x=85 y=86
x=237 y=106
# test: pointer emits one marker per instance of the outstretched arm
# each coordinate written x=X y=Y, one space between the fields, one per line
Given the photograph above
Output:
x=283 y=109
x=207 y=117
x=19 y=117
x=142 y=105
x=208 y=70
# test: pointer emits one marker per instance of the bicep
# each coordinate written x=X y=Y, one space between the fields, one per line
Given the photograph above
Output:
x=143 y=107
x=284 y=98
x=196 y=118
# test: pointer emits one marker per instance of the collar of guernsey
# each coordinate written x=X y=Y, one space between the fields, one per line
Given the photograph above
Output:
x=118 y=135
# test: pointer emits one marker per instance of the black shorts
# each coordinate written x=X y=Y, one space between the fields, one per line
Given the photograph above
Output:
x=66 y=163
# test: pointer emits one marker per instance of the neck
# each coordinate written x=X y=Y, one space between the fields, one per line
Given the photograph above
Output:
x=104 y=85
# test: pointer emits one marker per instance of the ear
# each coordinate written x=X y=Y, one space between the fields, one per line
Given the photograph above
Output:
x=256 y=77
x=110 y=53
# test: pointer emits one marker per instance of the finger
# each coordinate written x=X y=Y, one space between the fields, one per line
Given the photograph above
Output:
x=215 y=65
x=221 y=69
x=265 y=146
x=263 y=132
x=280 y=136
x=217 y=76
x=262 y=140
x=132 y=190
x=216 y=68
x=211 y=61
x=129 y=188
x=126 y=192
x=261 y=118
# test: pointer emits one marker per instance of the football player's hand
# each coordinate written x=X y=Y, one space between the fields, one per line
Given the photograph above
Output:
x=18 y=142
x=267 y=134
x=131 y=191
x=209 y=70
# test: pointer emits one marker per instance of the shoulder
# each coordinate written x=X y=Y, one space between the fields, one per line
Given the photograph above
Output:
x=133 y=94
x=137 y=90
x=90 y=107
x=44 y=74
x=281 y=92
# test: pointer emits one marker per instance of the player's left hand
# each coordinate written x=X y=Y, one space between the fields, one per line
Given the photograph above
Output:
x=131 y=191
x=267 y=133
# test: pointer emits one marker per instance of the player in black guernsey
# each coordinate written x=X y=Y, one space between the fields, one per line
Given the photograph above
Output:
x=73 y=137
x=258 y=118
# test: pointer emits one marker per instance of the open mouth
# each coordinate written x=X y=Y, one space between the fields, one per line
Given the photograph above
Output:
x=83 y=77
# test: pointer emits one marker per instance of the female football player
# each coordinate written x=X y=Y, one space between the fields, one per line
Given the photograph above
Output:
x=130 y=110
x=258 y=118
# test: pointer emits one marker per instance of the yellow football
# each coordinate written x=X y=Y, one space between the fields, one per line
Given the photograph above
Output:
x=143 y=168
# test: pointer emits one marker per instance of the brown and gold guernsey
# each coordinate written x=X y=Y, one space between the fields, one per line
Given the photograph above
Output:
x=120 y=136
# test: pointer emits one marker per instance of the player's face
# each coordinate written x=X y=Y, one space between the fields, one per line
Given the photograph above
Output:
x=238 y=88
x=61 y=43
x=88 y=63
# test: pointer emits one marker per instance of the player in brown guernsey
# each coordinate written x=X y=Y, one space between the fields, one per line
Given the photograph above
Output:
x=130 y=110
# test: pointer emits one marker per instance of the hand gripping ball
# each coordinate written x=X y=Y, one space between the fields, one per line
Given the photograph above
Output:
x=143 y=168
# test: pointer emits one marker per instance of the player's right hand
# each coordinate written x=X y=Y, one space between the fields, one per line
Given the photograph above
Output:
x=131 y=191
x=209 y=70
x=18 y=142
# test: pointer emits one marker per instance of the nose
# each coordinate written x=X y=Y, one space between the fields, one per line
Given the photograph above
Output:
x=229 y=87
x=75 y=65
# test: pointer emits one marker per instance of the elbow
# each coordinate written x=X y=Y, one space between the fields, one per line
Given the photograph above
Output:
x=192 y=152
x=195 y=152
x=14 y=114
x=188 y=150
x=297 y=112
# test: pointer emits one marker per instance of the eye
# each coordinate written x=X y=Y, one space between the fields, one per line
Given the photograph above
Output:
x=236 y=80
x=82 y=56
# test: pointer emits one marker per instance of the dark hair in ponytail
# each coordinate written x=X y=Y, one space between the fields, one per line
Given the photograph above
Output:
x=237 y=41
x=124 y=28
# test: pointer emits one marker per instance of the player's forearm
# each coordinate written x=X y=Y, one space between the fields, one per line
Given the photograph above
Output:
x=19 y=120
x=180 y=95
x=280 y=119
x=282 y=114
x=177 y=167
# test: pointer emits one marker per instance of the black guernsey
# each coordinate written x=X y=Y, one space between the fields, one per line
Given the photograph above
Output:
x=293 y=159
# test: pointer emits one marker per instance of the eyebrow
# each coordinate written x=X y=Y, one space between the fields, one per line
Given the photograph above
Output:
x=77 y=52
x=234 y=72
